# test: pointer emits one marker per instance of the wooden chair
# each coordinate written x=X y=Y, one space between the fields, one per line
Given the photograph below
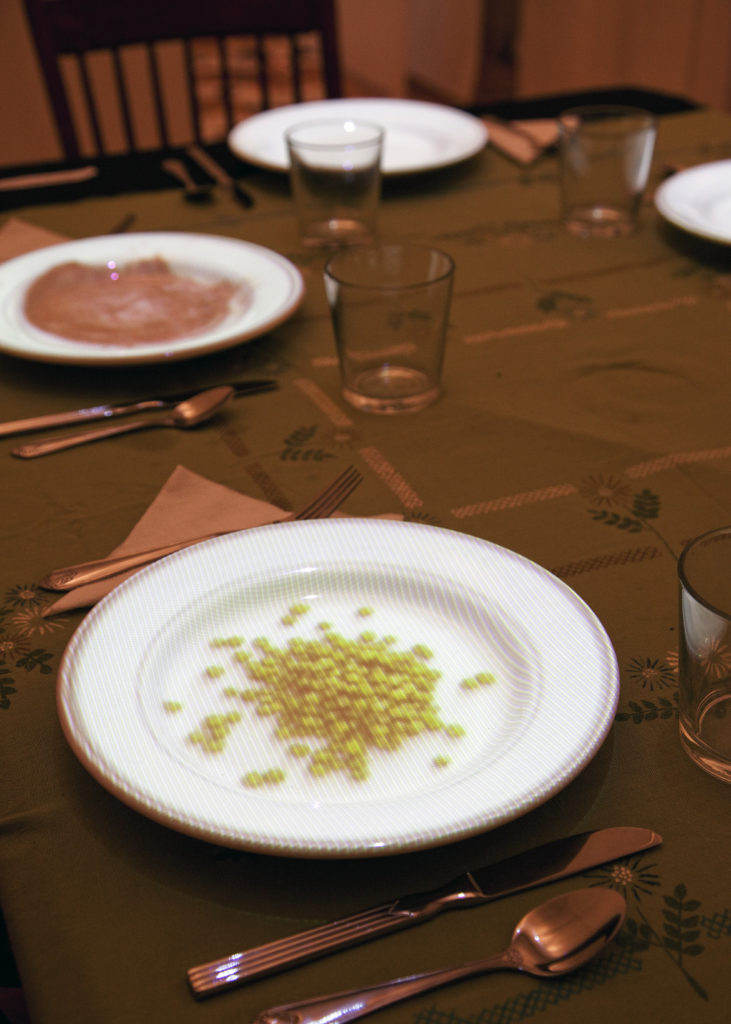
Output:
x=109 y=67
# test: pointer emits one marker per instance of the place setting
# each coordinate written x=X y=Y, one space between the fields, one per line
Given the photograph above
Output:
x=376 y=619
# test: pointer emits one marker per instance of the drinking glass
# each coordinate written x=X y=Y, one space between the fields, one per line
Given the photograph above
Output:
x=390 y=310
x=335 y=173
x=606 y=153
x=704 y=571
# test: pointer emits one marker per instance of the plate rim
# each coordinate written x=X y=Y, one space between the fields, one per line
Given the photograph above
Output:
x=303 y=111
x=664 y=202
x=41 y=259
x=334 y=846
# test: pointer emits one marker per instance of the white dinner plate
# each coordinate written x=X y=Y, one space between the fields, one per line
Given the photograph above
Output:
x=699 y=200
x=419 y=136
x=272 y=289
x=161 y=654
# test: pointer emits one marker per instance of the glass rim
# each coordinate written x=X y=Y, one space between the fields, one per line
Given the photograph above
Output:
x=683 y=576
x=331 y=122
x=446 y=273
x=646 y=118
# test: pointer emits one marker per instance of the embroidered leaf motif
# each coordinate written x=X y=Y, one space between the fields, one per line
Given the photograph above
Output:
x=300 y=436
x=681 y=931
x=568 y=303
x=601 y=515
x=36 y=659
x=296 y=449
x=6 y=688
x=648 y=711
x=22 y=611
x=646 y=505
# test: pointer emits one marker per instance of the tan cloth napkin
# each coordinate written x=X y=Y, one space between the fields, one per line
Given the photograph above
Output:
x=18 y=236
x=522 y=141
x=188 y=506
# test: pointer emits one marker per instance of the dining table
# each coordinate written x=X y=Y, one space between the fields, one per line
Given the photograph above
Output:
x=583 y=425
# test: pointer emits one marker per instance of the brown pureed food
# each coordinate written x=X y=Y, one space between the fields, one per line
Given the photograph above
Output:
x=128 y=304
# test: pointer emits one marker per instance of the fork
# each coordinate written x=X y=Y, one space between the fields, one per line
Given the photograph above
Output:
x=320 y=507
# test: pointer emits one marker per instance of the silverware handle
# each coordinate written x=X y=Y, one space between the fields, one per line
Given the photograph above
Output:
x=243 y=196
x=106 y=411
x=355 y=1003
x=61 y=419
x=45 y=179
x=100 y=569
x=210 y=166
x=217 y=975
x=56 y=444
x=348 y=931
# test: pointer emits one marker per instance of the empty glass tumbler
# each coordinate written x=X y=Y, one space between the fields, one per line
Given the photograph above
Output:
x=606 y=154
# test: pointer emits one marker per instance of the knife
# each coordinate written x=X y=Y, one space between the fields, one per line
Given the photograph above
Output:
x=104 y=412
x=208 y=164
x=547 y=863
x=45 y=179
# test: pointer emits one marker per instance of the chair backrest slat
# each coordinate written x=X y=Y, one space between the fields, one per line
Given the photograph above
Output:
x=123 y=101
x=191 y=92
x=89 y=100
x=262 y=72
x=226 y=85
x=81 y=27
x=296 y=62
x=158 y=105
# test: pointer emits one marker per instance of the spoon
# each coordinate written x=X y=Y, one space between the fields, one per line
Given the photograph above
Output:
x=557 y=937
x=189 y=413
x=193 y=191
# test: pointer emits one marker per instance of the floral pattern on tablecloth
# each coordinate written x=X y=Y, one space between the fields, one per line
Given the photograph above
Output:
x=22 y=629
x=661 y=920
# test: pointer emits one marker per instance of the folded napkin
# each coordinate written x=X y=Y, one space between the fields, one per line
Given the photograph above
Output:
x=522 y=141
x=187 y=507
x=18 y=236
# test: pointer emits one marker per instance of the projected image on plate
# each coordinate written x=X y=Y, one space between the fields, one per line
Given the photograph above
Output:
x=143 y=297
x=330 y=687
x=338 y=687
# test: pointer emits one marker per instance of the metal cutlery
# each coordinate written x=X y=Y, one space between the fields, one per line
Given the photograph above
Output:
x=110 y=411
x=208 y=164
x=46 y=179
x=320 y=507
x=559 y=859
x=191 y=189
x=189 y=413
x=557 y=937
x=123 y=224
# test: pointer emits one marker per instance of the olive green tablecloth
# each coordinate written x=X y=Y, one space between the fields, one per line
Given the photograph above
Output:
x=584 y=423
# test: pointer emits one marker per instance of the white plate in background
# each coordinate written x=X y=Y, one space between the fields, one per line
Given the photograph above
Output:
x=699 y=200
x=419 y=136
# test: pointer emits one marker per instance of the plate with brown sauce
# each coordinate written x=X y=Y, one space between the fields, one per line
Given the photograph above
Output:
x=142 y=297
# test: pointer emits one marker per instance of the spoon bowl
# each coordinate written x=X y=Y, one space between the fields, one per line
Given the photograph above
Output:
x=197 y=409
x=189 y=413
x=552 y=939
x=566 y=932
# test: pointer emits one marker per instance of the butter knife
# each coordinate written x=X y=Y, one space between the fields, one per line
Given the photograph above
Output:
x=109 y=411
x=547 y=863
x=47 y=179
x=210 y=166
